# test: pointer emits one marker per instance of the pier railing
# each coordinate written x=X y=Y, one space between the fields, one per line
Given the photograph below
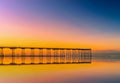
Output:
x=36 y=55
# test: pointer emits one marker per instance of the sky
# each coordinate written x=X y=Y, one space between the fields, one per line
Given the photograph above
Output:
x=60 y=23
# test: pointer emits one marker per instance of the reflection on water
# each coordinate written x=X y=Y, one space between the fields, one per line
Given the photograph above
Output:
x=101 y=70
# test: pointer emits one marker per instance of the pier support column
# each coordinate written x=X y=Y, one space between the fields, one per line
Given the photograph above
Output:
x=75 y=57
x=59 y=55
x=82 y=56
x=1 y=57
x=55 y=56
x=90 y=55
x=48 y=56
x=32 y=56
x=40 y=56
x=23 y=55
x=13 y=56
x=62 y=56
x=79 y=56
x=68 y=56
x=87 y=55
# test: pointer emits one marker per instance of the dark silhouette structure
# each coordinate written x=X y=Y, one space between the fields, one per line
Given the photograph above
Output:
x=45 y=55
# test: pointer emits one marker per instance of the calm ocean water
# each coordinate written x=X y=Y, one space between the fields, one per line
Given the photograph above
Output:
x=105 y=68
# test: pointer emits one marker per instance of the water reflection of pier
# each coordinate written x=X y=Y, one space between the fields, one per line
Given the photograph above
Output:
x=36 y=55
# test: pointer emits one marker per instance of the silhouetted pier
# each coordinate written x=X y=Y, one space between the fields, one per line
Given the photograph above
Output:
x=38 y=55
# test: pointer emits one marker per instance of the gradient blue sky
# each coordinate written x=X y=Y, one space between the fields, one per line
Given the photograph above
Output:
x=98 y=19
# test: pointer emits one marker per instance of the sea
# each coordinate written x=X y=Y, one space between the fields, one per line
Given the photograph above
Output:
x=104 y=68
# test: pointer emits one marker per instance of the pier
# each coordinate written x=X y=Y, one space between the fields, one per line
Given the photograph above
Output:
x=36 y=55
